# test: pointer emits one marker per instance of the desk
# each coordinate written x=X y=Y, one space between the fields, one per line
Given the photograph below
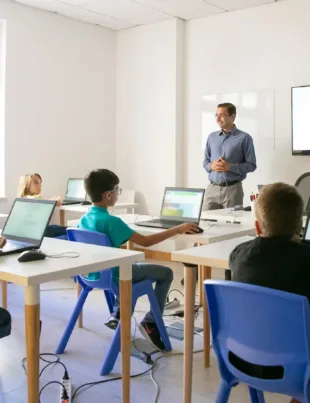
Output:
x=229 y=216
x=213 y=232
x=30 y=275
x=215 y=255
x=78 y=208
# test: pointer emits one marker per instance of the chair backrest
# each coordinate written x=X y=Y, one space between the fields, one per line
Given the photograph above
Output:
x=260 y=336
x=303 y=186
x=94 y=238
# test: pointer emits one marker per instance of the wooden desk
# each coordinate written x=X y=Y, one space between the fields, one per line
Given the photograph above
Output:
x=30 y=275
x=215 y=255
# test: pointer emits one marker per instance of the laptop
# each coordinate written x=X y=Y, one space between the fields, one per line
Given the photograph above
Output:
x=259 y=187
x=179 y=205
x=76 y=192
x=26 y=224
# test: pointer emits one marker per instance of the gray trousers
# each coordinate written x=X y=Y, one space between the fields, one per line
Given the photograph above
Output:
x=218 y=197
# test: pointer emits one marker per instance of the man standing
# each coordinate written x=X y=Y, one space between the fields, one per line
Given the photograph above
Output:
x=229 y=157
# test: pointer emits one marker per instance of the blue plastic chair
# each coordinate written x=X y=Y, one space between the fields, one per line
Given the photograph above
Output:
x=261 y=338
x=110 y=288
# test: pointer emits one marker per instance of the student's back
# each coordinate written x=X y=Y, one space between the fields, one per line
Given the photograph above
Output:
x=276 y=259
x=278 y=263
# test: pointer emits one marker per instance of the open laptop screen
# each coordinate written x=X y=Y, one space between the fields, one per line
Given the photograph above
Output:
x=75 y=190
x=182 y=204
x=28 y=220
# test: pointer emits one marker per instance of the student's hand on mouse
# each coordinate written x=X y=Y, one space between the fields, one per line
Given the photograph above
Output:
x=188 y=227
x=2 y=241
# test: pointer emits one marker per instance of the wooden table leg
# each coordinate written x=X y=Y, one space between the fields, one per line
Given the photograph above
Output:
x=206 y=274
x=199 y=286
x=32 y=320
x=129 y=245
x=126 y=308
x=80 y=318
x=190 y=274
x=62 y=218
x=4 y=294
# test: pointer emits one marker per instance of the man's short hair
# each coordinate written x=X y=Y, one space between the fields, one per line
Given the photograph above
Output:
x=279 y=209
x=98 y=182
x=231 y=109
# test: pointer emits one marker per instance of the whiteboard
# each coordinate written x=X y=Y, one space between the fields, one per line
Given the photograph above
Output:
x=255 y=115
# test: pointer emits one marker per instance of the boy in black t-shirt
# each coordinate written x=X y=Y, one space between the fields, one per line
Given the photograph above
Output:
x=276 y=258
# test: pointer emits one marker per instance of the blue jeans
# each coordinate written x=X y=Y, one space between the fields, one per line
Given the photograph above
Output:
x=161 y=275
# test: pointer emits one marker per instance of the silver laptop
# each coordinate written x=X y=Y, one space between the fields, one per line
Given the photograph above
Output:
x=26 y=224
x=76 y=192
x=259 y=187
x=179 y=205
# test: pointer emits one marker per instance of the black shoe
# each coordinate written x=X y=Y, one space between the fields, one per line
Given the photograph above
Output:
x=189 y=265
x=151 y=333
x=113 y=321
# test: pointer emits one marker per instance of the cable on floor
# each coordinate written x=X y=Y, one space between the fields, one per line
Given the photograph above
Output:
x=153 y=369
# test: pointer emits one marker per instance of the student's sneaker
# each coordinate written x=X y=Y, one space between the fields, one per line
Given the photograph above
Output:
x=151 y=333
x=113 y=321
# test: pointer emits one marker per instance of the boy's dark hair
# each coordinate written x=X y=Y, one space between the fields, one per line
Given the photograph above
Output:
x=279 y=209
x=98 y=182
x=231 y=109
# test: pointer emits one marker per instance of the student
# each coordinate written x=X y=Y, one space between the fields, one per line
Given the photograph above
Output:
x=276 y=258
x=102 y=187
x=30 y=186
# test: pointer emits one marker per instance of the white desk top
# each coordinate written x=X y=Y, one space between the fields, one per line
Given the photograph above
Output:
x=215 y=255
x=92 y=258
x=245 y=217
x=78 y=208
x=213 y=232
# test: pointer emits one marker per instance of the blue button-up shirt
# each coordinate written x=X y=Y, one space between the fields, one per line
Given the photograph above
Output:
x=235 y=147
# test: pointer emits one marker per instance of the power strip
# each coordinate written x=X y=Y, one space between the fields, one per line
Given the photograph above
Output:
x=66 y=381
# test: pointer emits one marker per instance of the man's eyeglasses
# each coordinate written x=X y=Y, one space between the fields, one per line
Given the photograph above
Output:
x=221 y=115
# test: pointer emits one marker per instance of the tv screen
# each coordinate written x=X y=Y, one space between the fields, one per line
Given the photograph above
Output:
x=300 y=120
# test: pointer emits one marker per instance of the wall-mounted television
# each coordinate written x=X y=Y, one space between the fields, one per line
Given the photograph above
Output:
x=300 y=103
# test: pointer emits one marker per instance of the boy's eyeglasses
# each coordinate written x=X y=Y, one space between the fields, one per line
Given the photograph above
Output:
x=118 y=190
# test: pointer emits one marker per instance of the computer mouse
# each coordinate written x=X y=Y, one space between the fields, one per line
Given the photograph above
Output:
x=31 y=255
x=85 y=203
x=200 y=231
x=248 y=208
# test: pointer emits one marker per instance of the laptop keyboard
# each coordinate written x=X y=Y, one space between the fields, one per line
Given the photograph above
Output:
x=11 y=245
x=165 y=222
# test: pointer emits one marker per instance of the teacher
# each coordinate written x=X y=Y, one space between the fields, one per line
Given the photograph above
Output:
x=229 y=157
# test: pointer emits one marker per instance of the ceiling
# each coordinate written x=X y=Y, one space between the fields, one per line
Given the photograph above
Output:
x=121 y=14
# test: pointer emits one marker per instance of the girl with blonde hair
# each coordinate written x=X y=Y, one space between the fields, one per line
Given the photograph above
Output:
x=30 y=186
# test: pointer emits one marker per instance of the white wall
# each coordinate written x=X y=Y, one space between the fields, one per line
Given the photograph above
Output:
x=149 y=111
x=60 y=97
x=259 y=48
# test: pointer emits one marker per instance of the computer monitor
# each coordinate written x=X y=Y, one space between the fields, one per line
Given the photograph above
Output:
x=28 y=220
x=259 y=187
x=182 y=203
x=75 y=190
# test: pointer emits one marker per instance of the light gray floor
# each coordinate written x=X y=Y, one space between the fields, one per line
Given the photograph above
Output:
x=86 y=351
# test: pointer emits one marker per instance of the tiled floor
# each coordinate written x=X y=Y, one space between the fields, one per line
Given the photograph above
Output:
x=86 y=351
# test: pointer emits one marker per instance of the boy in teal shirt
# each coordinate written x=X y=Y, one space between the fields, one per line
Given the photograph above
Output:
x=102 y=187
